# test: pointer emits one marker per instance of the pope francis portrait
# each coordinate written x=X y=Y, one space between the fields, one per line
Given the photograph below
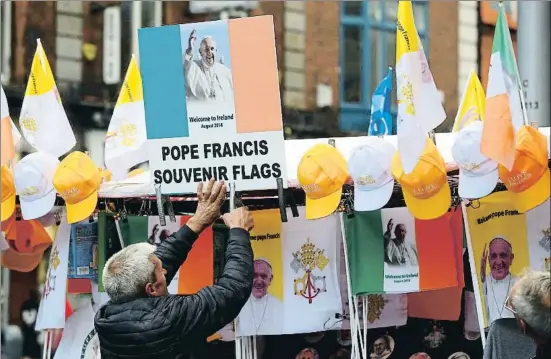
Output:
x=206 y=77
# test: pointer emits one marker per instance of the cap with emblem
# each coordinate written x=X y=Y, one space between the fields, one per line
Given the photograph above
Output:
x=77 y=179
x=478 y=175
x=33 y=177
x=8 y=193
x=369 y=166
x=322 y=172
x=426 y=190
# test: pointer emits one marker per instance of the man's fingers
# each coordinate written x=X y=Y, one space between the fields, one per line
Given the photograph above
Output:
x=200 y=192
x=221 y=195
x=215 y=192
x=209 y=189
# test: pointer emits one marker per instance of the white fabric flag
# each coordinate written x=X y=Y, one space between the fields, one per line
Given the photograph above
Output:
x=43 y=120
x=79 y=338
x=311 y=260
x=51 y=313
x=538 y=227
x=98 y=298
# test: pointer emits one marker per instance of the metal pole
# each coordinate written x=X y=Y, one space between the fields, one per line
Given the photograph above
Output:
x=534 y=51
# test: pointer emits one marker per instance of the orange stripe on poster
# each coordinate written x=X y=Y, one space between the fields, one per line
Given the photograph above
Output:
x=255 y=76
x=197 y=271
x=437 y=259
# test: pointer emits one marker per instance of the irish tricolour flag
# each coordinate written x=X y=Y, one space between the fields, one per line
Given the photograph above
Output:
x=392 y=252
x=503 y=114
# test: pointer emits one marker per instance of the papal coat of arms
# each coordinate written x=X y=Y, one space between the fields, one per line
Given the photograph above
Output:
x=308 y=260
x=49 y=285
x=375 y=305
x=545 y=241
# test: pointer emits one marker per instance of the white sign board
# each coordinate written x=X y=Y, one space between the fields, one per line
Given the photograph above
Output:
x=112 y=45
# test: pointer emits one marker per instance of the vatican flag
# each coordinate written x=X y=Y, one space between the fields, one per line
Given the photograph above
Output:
x=125 y=143
x=472 y=104
x=43 y=121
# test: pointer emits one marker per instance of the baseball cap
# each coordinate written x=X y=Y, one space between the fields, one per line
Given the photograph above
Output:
x=77 y=179
x=478 y=175
x=28 y=240
x=322 y=172
x=369 y=167
x=426 y=189
x=8 y=193
x=33 y=177
x=529 y=179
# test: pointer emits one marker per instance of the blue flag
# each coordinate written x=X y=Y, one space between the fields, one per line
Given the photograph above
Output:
x=381 y=117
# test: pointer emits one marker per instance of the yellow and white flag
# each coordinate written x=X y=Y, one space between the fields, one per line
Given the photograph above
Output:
x=472 y=104
x=10 y=135
x=43 y=120
x=125 y=143
x=419 y=106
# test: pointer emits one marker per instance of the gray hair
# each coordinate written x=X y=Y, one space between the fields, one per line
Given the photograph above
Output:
x=128 y=271
x=531 y=301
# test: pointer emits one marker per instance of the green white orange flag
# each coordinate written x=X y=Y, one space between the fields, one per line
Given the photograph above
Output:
x=43 y=120
x=419 y=109
x=503 y=114
x=472 y=104
x=389 y=251
x=126 y=136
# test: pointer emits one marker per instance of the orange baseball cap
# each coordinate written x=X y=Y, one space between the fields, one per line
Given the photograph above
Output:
x=426 y=189
x=529 y=180
x=77 y=179
x=28 y=240
x=8 y=193
x=322 y=172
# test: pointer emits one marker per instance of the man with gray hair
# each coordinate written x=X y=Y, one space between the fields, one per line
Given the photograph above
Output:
x=142 y=320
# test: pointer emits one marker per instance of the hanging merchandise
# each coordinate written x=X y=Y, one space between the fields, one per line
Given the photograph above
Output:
x=296 y=287
x=390 y=251
x=471 y=108
x=426 y=189
x=503 y=242
x=8 y=193
x=43 y=120
x=322 y=172
x=52 y=311
x=529 y=179
x=77 y=179
x=79 y=339
x=478 y=175
x=33 y=176
x=369 y=166
x=28 y=240
x=84 y=253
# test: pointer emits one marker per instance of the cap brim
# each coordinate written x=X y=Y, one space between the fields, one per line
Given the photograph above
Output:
x=24 y=262
x=38 y=208
x=80 y=211
x=8 y=207
x=474 y=187
x=430 y=208
x=374 y=199
x=323 y=207
x=533 y=196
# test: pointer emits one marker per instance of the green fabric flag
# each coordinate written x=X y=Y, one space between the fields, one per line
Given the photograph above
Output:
x=365 y=252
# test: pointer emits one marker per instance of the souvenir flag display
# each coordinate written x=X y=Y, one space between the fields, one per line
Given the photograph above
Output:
x=52 y=310
x=42 y=116
x=79 y=339
x=503 y=114
x=296 y=286
x=503 y=243
x=391 y=251
x=10 y=135
x=419 y=109
x=381 y=117
x=126 y=135
x=196 y=272
x=472 y=103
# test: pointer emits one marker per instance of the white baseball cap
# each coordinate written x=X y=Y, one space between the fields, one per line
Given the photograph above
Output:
x=369 y=166
x=33 y=177
x=478 y=175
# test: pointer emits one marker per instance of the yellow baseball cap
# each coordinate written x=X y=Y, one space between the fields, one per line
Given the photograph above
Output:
x=529 y=180
x=426 y=189
x=77 y=179
x=8 y=193
x=322 y=172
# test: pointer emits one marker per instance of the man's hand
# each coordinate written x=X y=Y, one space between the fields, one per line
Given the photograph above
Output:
x=208 y=205
x=390 y=225
x=191 y=42
x=239 y=218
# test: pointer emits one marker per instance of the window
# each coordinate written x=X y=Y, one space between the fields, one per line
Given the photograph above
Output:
x=5 y=40
x=368 y=47
x=143 y=14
